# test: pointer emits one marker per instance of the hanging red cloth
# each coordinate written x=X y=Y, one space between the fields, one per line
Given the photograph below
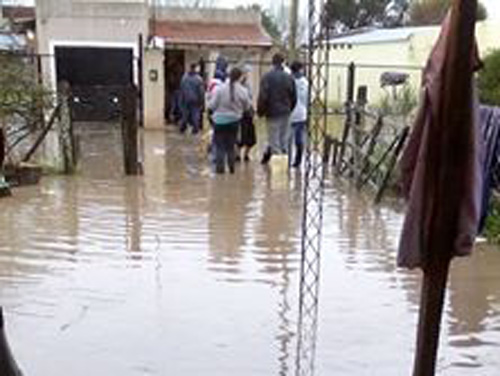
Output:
x=446 y=125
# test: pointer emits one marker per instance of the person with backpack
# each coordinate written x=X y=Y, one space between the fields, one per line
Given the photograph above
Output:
x=228 y=104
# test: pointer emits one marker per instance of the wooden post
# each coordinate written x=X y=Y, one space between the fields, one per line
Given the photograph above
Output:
x=294 y=22
x=327 y=149
x=130 y=131
x=359 y=121
x=373 y=140
x=39 y=78
x=351 y=77
x=448 y=169
x=431 y=311
x=4 y=187
x=392 y=163
x=140 y=68
x=336 y=144
x=8 y=366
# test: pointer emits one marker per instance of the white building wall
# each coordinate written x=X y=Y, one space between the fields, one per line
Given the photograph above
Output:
x=397 y=56
x=95 y=23
x=154 y=89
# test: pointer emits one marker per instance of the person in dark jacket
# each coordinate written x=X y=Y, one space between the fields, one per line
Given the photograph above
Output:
x=192 y=99
x=276 y=100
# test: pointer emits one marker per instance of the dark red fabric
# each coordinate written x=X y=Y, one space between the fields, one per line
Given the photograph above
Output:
x=423 y=146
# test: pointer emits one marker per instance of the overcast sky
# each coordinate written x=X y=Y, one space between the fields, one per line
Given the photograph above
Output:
x=492 y=5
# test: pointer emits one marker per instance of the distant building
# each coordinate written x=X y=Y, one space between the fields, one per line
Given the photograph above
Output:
x=16 y=28
x=402 y=50
x=183 y=36
x=95 y=46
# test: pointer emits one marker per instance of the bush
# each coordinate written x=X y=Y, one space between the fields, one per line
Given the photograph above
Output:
x=21 y=98
x=489 y=79
x=400 y=103
x=492 y=226
x=433 y=12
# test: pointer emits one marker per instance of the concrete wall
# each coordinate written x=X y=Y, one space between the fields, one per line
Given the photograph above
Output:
x=101 y=23
x=412 y=52
x=154 y=90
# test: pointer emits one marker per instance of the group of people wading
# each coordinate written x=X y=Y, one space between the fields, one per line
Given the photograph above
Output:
x=282 y=101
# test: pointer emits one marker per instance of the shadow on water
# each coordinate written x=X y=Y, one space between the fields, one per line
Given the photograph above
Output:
x=187 y=273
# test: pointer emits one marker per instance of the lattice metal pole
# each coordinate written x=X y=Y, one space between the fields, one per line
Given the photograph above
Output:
x=312 y=216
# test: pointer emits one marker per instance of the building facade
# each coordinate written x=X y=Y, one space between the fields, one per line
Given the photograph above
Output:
x=400 y=50
x=98 y=45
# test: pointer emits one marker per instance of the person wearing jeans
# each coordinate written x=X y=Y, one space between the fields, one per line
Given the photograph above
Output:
x=298 y=118
x=192 y=99
x=228 y=104
x=276 y=100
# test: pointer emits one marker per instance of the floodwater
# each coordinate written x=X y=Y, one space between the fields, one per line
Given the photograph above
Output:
x=184 y=273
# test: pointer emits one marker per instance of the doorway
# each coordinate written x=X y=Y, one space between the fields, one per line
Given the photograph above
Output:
x=174 y=70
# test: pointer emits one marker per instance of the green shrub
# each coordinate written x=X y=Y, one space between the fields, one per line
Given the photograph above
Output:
x=402 y=102
x=489 y=79
x=492 y=227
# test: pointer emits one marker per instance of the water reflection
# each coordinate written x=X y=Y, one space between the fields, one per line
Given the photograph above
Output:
x=183 y=272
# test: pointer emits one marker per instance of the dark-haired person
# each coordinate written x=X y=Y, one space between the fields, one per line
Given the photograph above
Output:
x=276 y=100
x=247 y=136
x=298 y=118
x=228 y=104
x=192 y=93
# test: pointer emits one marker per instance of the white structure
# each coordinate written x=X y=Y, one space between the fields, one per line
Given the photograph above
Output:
x=89 y=23
x=402 y=50
x=95 y=43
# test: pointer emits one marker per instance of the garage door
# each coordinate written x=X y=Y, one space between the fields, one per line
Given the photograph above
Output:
x=97 y=76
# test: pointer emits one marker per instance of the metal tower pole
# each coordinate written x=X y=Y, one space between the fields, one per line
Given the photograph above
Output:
x=314 y=178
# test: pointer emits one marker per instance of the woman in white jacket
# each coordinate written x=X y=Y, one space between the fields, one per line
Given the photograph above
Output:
x=298 y=118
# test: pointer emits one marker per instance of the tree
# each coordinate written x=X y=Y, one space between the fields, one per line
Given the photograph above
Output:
x=343 y=15
x=489 y=79
x=267 y=20
x=433 y=12
x=22 y=99
x=396 y=13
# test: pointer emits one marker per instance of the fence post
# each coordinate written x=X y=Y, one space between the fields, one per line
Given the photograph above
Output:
x=392 y=163
x=130 y=131
x=351 y=78
x=4 y=187
x=359 y=122
x=66 y=135
x=140 y=79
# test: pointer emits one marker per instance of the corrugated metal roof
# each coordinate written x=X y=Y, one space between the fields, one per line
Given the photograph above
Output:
x=212 y=33
x=381 y=35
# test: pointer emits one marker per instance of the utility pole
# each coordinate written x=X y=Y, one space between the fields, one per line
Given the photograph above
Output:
x=294 y=23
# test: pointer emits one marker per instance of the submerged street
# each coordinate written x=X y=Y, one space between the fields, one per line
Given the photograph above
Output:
x=181 y=272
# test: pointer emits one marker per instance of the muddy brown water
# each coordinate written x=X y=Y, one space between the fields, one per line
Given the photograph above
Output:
x=184 y=273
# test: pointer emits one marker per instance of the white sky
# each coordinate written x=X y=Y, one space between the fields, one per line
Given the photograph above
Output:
x=493 y=6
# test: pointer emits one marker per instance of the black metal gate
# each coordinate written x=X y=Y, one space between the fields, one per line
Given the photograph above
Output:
x=97 y=77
